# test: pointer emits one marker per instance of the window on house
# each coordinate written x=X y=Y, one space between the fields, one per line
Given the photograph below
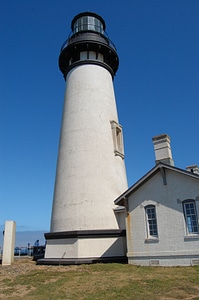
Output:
x=117 y=139
x=190 y=215
x=152 y=229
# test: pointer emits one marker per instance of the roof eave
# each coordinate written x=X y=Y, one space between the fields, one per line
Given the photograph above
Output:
x=147 y=176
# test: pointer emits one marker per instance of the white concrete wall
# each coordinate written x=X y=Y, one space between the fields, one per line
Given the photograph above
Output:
x=173 y=246
x=86 y=247
x=89 y=174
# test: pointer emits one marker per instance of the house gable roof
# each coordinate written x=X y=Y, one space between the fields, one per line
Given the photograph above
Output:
x=160 y=167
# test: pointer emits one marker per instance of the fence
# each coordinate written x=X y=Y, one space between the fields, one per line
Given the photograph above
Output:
x=36 y=252
x=23 y=251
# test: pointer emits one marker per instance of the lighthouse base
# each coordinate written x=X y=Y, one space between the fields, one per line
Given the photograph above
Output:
x=84 y=247
x=80 y=261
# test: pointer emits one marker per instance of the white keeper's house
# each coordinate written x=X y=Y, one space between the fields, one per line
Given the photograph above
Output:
x=162 y=211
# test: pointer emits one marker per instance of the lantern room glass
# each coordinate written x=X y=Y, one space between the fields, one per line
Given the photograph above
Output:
x=90 y=23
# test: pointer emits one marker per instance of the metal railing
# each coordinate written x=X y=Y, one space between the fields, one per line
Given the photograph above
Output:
x=68 y=41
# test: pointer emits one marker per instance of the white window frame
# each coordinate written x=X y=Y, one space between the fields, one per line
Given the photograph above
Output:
x=191 y=218
x=151 y=222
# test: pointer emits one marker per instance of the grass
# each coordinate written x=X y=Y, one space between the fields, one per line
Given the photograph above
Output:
x=103 y=281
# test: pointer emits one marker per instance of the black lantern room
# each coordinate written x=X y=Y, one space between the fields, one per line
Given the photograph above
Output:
x=88 y=44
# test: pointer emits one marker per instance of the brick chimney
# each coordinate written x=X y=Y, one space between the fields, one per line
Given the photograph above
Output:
x=162 y=149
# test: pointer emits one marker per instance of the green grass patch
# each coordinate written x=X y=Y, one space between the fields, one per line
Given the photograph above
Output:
x=102 y=281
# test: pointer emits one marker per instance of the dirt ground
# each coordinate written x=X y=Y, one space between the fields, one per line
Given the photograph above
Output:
x=25 y=265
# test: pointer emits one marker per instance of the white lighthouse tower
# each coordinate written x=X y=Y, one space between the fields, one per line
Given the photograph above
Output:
x=86 y=226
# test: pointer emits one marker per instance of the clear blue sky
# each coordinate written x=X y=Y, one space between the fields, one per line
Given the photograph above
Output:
x=156 y=86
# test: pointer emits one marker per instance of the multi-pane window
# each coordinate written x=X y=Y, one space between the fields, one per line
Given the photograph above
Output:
x=191 y=218
x=151 y=221
x=88 y=23
x=84 y=55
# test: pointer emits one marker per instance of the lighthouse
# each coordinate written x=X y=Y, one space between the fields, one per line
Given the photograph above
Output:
x=86 y=226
